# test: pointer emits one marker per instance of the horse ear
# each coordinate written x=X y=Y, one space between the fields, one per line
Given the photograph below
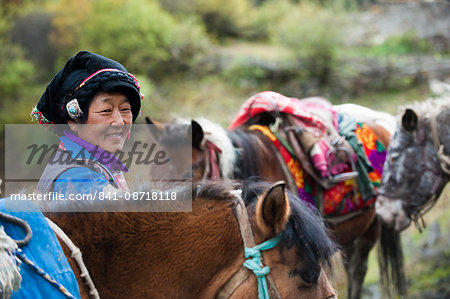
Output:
x=196 y=131
x=409 y=120
x=273 y=210
x=155 y=128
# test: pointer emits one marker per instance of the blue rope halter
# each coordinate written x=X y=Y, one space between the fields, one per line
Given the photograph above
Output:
x=253 y=262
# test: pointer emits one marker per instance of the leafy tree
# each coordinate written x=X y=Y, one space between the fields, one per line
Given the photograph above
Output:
x=222 y=19
x=313 y=35
x=69 y=19
x=32 y=31
x=136 y=33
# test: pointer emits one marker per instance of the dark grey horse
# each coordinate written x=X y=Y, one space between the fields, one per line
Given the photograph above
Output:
x=417 y=166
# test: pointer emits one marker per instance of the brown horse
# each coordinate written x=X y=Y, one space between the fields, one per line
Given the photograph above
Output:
x=195 y=255
x=249 y=153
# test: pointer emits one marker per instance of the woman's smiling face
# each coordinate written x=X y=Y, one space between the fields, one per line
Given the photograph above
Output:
x=109 y=121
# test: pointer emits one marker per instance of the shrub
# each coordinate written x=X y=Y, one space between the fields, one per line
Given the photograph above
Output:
x=407 y=43
x=222 y=19
x=313 y=35
x=264 y=19
x=32 y=32
x=135 y=33
x=17 y=85
x=17 y=73
x=188 y=45
x=143 y=37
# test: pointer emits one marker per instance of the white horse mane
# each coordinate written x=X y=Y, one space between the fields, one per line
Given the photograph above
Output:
x=217 y=135
x=425 y=109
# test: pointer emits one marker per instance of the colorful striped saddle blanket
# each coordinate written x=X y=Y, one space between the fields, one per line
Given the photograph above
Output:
x=344 y=197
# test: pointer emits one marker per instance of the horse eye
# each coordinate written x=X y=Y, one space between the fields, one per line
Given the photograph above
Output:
x=306 y=285
x=394 y=156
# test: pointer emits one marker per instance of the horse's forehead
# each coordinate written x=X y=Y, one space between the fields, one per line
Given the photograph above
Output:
x=401 y=140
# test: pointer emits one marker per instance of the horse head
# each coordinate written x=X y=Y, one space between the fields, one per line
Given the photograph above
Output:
x=184 y=144
x=289 y=239
x=416 y=168
x=206 y=146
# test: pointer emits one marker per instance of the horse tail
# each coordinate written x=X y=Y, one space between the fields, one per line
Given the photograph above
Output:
x=390 y=260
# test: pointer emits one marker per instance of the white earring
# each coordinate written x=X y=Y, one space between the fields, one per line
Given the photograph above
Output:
x=73 y=109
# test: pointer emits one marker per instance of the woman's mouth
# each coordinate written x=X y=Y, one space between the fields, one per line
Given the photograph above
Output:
x=116 y=135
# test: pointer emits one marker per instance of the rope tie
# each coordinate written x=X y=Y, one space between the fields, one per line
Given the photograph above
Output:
x=253 y=263
x=444 y=160
x=20 y=255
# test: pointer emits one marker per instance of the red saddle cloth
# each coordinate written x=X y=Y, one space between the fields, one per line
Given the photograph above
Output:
x=270 y=101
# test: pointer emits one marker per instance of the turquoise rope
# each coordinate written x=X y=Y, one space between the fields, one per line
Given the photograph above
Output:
x=253 y=262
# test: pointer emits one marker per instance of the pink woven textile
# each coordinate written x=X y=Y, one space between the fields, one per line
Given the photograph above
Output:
x=270 y=101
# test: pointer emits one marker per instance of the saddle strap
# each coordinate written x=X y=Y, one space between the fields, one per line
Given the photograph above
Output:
x=77 y=256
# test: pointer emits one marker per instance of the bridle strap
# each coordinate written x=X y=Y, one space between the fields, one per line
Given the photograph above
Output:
x=249 y=242
x=244 y=223
x=444 y=159
x=238 y=278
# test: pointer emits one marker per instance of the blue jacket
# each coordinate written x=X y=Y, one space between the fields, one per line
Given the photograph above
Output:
x=87 y=176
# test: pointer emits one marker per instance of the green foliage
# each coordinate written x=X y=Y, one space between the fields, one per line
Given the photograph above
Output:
x=4 y=24
x=245 y=72
x=313 y=35
x=188 y=45
x=69 y=18
x=16 y=73
x=262 y=21
x=143 y=37
x=407 y=43
x=32 y=31
x=222 y=19
x=136 y=33
x=17 y=85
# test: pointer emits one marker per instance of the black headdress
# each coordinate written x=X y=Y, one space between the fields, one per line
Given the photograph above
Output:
x=71 y=90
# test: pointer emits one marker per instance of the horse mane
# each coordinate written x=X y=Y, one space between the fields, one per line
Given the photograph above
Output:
x=248 y=145
x=425 y=109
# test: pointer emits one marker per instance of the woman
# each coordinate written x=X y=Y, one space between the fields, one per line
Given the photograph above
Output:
x=91 y=103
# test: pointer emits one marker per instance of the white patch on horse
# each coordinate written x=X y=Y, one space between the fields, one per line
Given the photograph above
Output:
x=217 y=135
x=391 y=212
x=364 y=114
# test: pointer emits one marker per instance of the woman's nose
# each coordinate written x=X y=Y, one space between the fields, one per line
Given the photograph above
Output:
x=117 y=118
